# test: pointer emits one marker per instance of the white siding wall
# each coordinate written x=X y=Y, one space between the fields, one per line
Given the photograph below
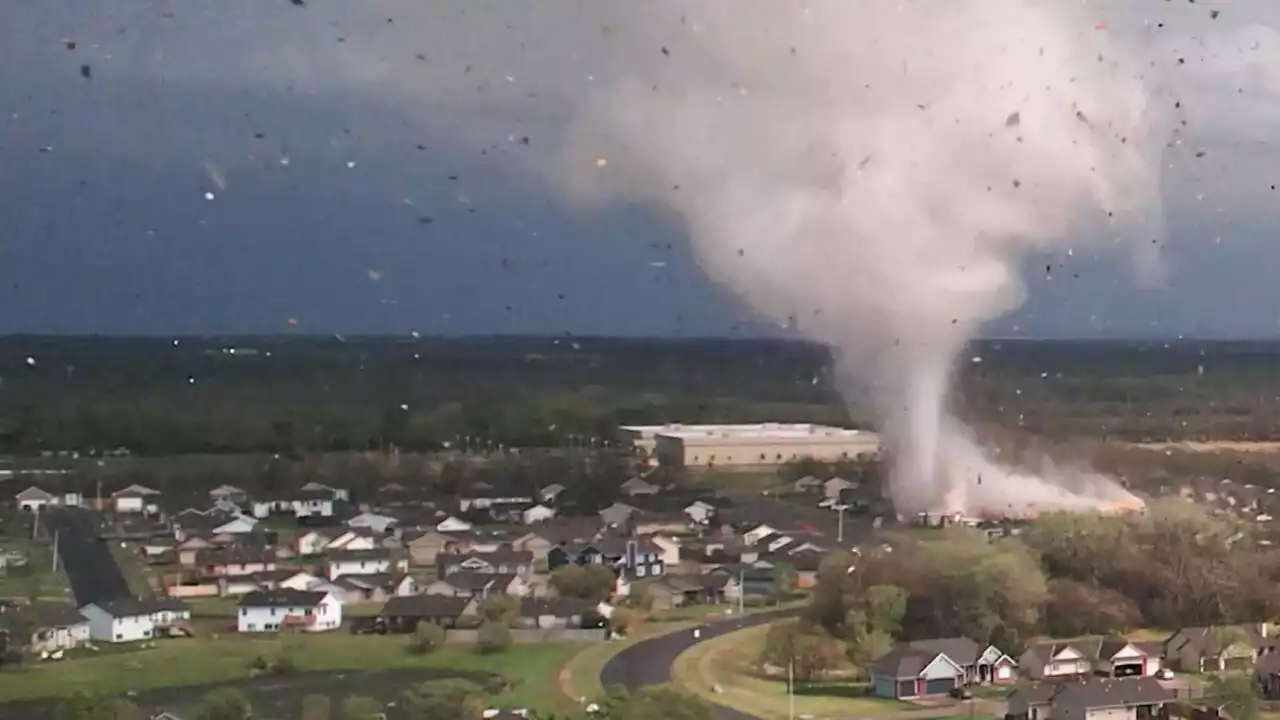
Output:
x=259 y=619
x=104 y=628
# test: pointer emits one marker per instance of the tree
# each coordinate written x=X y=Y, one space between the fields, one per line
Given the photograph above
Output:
x=655 y=702
x=1237 y=694
x=784 y=579
x=1079 y=608
x=803 y=648
x=359 y=707
x=224 y=704
x=451 y=699
x=624 y=620
x=492 y=637
x=502 y=609
x=864 y=642
x=315 y=707
x=883 y=607
x=593 y=583
x=427 y=637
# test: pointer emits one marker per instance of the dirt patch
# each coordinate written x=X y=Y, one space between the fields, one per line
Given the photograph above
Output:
x=272 y=696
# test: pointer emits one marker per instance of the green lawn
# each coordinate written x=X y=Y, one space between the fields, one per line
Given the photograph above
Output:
x=202 y=660
x=135 y=573
x=37 y=577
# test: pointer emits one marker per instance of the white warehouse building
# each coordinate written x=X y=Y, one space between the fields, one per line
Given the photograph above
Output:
x=756 y=445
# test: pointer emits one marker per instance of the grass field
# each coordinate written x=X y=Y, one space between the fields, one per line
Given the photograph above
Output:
x=1243 y=446
x=37 y=577
x=729 y=660
x=206 y=660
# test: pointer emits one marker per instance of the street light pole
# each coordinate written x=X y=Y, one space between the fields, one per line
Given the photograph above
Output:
x=840 y=523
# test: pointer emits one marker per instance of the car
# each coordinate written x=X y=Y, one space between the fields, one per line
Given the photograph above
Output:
x=961 y=693
x=1164 y=674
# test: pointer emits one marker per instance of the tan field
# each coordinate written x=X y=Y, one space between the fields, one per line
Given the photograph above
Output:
x=1263 y=446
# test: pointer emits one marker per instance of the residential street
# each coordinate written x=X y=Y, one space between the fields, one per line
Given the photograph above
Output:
x=92 y=571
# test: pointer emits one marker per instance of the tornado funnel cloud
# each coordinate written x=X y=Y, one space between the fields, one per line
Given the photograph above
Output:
x=875 y=174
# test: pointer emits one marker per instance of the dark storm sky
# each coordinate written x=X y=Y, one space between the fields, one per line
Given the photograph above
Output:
x=410 y=200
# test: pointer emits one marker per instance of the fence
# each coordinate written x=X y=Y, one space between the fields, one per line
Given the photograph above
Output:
x=526 y=635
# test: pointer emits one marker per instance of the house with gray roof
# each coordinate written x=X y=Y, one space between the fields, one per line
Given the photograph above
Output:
x=1129 y=698
x=936 y=667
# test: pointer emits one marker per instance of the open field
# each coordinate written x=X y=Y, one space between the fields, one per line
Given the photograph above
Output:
x=36 y=579
x=210 y=660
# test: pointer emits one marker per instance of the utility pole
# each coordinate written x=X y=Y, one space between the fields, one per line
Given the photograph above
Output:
x=55 y=550
x=791 y=689
x=35 y=523
x=840 y=523
x=742 y=591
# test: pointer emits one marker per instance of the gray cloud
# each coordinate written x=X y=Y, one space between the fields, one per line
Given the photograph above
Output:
x=177 y=85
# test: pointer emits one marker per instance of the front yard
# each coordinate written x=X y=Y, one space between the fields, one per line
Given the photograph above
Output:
x=208 y=659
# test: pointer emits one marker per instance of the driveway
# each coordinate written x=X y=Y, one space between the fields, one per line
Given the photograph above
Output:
x=92 y=570
x=649 y=662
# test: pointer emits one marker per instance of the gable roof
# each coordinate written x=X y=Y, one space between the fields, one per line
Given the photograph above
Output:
x=1123 y=692
x=282 y=597
x=960 y=650
x=424 y=606
x=906 y=661
x=34 y=493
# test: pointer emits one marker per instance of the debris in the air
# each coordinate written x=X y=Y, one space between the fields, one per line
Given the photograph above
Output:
x=31 y=362
x=351 y=163
x=69 y=44
x=1013 y=120
x=665 y=51
x=299 y=3
x=86 y=72
x=601 y=162
x=374 y=275
x=1213 y=14
x=209 y=196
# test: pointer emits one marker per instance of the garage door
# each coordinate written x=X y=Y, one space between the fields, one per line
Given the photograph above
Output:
x=939 y=687
x=1239 y=663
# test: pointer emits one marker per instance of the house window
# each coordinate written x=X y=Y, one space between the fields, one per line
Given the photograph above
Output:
x=655 y=570
x=640 y=571
x=252 y=627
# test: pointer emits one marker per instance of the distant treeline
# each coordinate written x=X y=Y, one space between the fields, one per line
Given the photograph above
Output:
x=304 y=395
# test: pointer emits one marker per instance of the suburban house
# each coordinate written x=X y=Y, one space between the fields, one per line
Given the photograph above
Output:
x=270 y=610
x=376 y=522
x=978 y=664
x=424 y=546
x=130 y=619
x=1130 y=698
x=34 y=499
x=500 y=562
x=556 y=612
x=228 y=493
x=672 y=591
x=362 y=562
x=1054 y=661
x=309 y=542
x=536 y=514
x=617 y=514
x=136 y=499
x=1117 y=657
x=453 y=524
x=638 y=486
x=340 y=494
x=235 y=561
x=636 y=557
x=403 y=614
x=907 y=672
x=44 y=627
x=1217 y=649
x=355 y=538
x=478 y=585
x=549 y=493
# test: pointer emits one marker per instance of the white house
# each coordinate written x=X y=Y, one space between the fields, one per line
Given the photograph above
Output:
x=372 y=521
x=366 y=562
x=341 y=494
x=238 y=525
x=33 y=499
x=699 y=512
x=268 y=610
x=229 y=493
x=136 y=499
x=537 y=514
x=351 y=540
x=299 y=581
x=453 y=524
x=126 y=620
x=310 y=542
x=549 y=493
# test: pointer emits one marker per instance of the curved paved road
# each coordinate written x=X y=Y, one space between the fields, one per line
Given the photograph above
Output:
x=649 y=662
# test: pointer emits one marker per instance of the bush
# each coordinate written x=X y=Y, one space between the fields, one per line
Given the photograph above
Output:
x=494 y=637
x=284 y=666
x=259 y=663
x=427 y=637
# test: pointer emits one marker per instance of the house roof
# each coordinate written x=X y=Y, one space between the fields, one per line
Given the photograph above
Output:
x=474 y=581
x=1122 y=692
x=1046 y=652
x=357 y=555
x=235 y=555
x=960 y=650
x=281 y=597
x=424 y=606
x=497 y=557
x=133 y=607
x=34 y=493
x=42 y=615
x=904 y=661
x=1199 y=640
